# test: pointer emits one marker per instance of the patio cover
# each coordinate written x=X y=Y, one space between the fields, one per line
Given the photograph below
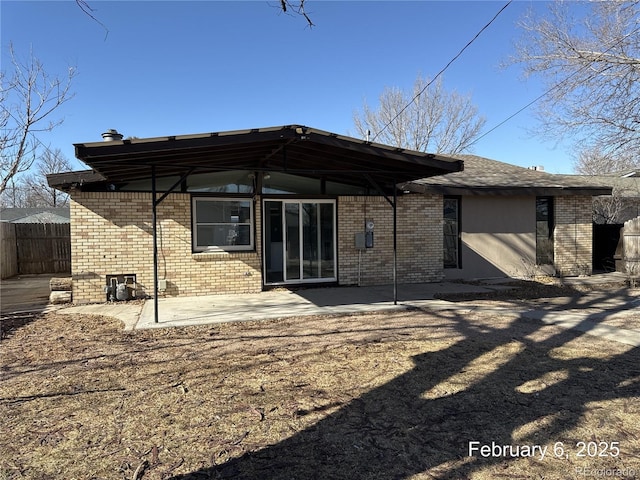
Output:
x=293 y=149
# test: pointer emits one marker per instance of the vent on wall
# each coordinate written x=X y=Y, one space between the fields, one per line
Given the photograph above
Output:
x=121 y=287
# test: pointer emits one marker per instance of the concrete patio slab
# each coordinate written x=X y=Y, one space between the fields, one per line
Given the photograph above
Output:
x=127 y=312
x=584 y=315
x=281 y=303
x=277 y=303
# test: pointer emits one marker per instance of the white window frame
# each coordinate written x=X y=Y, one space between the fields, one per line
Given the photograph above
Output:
x=301 y=279
x=221 y=248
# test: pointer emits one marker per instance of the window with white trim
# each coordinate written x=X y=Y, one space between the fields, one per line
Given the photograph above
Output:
x=222 y=224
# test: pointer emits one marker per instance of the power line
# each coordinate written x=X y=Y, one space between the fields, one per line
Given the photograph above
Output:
x=443 y=70
x=556 y=86
x=518 y=112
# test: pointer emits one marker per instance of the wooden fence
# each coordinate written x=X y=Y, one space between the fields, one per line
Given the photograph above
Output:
x=29 y=248
x=8 y=250
x=631 y=235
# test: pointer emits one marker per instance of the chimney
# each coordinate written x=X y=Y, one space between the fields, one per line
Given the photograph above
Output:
x=111 y=135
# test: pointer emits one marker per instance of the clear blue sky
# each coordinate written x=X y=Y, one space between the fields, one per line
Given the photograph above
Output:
x=171 y=68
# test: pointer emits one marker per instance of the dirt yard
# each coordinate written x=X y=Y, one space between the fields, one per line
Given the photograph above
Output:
x=408 y=395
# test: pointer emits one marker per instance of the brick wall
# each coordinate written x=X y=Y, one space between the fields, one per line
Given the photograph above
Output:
x=112 y=234
x=573 y=235
x=419 y=240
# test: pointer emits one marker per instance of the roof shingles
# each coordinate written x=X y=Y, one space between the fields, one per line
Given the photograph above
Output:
x=484 y=176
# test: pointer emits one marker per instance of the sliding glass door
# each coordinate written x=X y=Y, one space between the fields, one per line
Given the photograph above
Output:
x=299 y=241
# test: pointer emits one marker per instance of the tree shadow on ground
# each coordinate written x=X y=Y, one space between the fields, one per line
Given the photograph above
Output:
x=530 y=290
x=11 y=322
x=422 y=422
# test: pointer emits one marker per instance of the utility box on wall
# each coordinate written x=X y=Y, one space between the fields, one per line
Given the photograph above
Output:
x=368 y=234
x=121 y=287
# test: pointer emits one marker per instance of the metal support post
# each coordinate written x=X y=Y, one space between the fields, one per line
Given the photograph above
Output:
x=155 y=243
x=395 y=243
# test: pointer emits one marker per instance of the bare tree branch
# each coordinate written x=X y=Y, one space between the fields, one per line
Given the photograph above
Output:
x=29 y=98
x=39 y=193
x=588 y=54
x=607 y=209
x=621 y=205
x=298 y=8
x=437 y=121
x=612 y=170
x=86 y=8
x=593 y=161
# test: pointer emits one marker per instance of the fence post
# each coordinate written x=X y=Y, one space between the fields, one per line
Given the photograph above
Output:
x=8 y=250
x=631 y=244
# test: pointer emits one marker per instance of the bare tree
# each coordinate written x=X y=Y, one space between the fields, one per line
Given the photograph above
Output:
x=14 y=195
x=437 y=121
x=593 y=161
x=29 y=98
x=38 y=192
x=611 y=170
x=588 y=53
x=622 y=205
x=607 y=208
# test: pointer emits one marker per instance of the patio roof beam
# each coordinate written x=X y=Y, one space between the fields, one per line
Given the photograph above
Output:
x=380 y=190
x=173 y=187
x=275 y=151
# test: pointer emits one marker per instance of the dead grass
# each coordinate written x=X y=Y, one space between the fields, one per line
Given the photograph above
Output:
x=397 y=395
